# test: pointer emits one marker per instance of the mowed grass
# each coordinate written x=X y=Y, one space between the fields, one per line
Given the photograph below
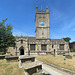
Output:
x=11 y=68
x=58 y=60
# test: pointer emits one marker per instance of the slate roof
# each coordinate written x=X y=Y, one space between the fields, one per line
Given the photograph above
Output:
x=32 y=39
x=57 y=40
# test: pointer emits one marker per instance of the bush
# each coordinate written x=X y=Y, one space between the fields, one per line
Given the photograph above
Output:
x=1 y=53
x=2 y=57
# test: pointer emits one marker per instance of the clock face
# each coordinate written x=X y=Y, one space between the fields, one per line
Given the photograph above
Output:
x=42 y=23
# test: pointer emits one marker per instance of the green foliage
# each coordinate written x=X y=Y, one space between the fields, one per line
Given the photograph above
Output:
x=67 y=39
x=2 y=57
x=6 y=37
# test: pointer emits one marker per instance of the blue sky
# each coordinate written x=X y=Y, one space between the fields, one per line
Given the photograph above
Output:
x=21 y=14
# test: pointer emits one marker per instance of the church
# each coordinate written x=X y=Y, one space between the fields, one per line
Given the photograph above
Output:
x=41 y=42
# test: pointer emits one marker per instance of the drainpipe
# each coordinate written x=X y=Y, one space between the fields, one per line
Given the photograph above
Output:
x=28 y=47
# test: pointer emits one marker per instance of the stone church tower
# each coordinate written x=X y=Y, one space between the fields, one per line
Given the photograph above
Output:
x=41 y=43
x=42 y=25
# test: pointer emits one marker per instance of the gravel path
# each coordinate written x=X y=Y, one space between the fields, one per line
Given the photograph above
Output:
x=51 y=70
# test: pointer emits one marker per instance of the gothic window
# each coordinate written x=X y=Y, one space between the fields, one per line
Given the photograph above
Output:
x=42 y=33
x=44 y=17
x=43 y=47
x=39 y=40
x=32 y=46
x=61 y=46
x=40 y=16
x=21 y=41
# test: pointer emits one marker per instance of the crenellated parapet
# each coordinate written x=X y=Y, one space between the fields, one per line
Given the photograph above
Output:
x=42 y=11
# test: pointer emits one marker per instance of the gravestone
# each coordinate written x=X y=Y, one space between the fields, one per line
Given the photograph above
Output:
x=68 y=56
x=25 y=59
x=74 y=55
x=31 y=68
x=29 y=65
x=11 y=58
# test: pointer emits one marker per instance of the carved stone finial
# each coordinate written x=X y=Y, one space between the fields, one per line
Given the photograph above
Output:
x=36 y=8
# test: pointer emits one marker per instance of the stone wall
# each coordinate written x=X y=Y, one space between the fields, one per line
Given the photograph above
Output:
x=26 y=46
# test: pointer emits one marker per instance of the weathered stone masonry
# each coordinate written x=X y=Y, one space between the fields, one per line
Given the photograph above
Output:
x=41 y=42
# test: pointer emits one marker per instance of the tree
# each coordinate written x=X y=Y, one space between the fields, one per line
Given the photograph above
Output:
x=67 y=39
x=6 y=37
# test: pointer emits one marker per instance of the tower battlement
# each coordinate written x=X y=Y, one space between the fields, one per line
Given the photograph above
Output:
x=39 y=12
x=42 y=26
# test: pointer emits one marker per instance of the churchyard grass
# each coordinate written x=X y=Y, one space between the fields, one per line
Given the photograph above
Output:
x=58 y=60
x=11 y=68
x=72 y=53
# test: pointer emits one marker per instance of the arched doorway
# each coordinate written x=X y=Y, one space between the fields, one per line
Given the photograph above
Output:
x=21 y=50
x=54 y=51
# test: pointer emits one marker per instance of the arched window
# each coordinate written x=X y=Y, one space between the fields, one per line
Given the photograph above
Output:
x=21 y=41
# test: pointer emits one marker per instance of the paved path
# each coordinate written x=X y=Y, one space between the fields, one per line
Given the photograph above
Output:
x=51 y=70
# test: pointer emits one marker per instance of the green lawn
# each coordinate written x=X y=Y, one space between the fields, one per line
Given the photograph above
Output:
x=12 y=68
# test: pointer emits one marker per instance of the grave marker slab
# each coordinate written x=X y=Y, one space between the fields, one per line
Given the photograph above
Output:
x=26 y=59
x=31 y=68
x=11 y=58
x=68 y=56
